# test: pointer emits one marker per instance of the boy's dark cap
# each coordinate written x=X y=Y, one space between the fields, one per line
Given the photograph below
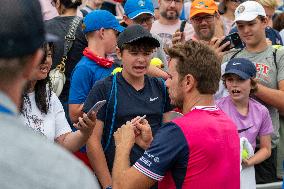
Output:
x=21 y=28
x=133 y=33
x=241 y=67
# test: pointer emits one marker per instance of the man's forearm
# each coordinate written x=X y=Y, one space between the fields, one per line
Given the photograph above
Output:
x=271 y=97
x=261 y=155
x=120 y=165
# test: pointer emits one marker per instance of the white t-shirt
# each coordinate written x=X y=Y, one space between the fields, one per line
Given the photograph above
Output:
x=53 y=124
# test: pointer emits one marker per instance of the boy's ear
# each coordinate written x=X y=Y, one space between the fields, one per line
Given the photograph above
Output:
x=102 y=33
x=118 y=53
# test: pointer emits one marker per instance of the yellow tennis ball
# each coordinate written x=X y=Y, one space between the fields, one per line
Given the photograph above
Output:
x=116 y=70
x=156 y=62
x=245 y=154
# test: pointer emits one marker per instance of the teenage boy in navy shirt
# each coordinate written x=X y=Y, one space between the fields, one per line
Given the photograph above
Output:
x=129 y=94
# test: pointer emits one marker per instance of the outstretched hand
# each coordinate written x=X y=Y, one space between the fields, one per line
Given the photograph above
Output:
x=143 y=132
x=178 y=37
x=124 y=136
x=215 y=44
x=86 y=124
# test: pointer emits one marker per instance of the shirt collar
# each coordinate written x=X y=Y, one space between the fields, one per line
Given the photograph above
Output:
x=207 y=108
x=8 y=103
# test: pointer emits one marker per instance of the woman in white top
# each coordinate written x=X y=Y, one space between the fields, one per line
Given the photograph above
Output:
x=42 y=110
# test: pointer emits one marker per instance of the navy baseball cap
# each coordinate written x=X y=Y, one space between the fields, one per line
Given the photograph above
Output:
x=241 y=67
x=134 y=8
x=136 y=32
x=98 y=19
x=21 y=28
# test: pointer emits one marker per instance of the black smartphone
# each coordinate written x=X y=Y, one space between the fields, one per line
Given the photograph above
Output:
x=182 y=25
x=235 y=42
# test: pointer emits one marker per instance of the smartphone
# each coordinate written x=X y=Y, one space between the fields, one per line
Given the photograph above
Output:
x=182 y=25
x=235 y=42
x=96 y=107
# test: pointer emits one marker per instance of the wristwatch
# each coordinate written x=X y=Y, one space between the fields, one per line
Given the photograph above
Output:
x=109 y=187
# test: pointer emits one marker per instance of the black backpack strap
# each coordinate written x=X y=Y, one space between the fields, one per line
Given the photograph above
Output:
x=274 y=58
x=236 y=53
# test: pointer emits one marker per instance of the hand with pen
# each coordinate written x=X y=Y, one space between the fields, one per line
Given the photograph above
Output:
x=135 y=131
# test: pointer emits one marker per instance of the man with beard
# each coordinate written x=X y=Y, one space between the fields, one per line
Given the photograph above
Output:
x=204 y=19
x=169 y=21
x=185 y=153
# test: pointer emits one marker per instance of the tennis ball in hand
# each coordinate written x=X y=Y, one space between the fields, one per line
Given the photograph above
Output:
x=245 y=154
x=157 y=62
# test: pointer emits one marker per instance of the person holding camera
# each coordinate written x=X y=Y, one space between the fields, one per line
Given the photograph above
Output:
x=205 y=21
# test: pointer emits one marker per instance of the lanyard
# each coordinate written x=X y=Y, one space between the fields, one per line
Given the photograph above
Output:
x=5 y=110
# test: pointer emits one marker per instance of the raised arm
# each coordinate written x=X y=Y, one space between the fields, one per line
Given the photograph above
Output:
x=273 y=97
x=96 y=155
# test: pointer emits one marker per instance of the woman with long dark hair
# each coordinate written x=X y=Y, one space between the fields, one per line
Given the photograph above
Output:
x=42 y=110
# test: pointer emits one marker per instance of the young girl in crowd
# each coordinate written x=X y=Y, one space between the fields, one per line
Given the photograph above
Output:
x=251 y=117
x=42 y=110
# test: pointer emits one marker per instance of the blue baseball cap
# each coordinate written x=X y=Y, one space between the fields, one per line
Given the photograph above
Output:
x=134 y=8
x=241 y=67
x=98 y=19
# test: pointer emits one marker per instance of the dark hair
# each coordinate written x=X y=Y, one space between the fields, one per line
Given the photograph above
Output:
x=261 y=18
x=42 y=89
x=139 y=45
x=253 y=84
x=201 y=62
x=278 y=22
x=70 y=4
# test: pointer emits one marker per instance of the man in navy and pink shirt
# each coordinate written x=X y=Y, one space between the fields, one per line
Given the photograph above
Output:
x=198 y=150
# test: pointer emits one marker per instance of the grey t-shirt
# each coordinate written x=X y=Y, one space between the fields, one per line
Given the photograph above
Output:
x=268 y=75
x=28 y=160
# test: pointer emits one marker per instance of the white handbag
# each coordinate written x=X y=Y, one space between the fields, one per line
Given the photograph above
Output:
x=57 y=75
x=58 y=79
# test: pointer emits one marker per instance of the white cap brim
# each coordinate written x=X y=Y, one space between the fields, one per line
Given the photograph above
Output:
x=246 y=17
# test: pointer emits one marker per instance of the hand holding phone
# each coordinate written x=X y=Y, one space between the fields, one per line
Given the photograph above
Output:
x=96 y=107
x=182 y=25
x=235 y=42
x=135 y=121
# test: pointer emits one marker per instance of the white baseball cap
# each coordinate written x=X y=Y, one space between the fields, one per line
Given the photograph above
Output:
x=248 y=11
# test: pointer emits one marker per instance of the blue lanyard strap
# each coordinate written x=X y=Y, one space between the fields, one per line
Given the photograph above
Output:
x=5 y=110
